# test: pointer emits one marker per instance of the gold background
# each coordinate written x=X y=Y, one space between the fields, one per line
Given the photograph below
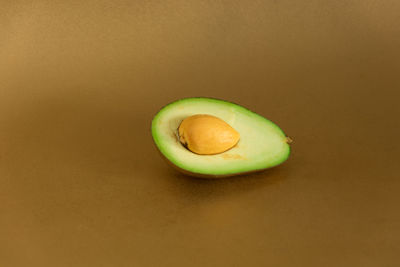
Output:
x=81 y=183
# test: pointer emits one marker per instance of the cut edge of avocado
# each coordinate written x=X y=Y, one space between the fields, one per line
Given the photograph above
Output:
x=216 y=171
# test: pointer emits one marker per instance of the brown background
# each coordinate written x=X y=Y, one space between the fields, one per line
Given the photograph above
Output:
x=81 y=183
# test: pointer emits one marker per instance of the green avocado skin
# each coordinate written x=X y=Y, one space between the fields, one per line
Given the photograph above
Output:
x=272 y=150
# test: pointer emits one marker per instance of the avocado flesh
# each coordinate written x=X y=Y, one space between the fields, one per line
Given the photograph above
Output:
x=262 y=143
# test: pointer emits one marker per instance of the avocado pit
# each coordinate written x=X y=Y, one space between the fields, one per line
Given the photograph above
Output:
x=207 y=135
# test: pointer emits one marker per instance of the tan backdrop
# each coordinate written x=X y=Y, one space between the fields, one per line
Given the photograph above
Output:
x=81 y=183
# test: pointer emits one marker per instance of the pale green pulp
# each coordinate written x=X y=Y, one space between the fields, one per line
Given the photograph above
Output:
x=262 y=143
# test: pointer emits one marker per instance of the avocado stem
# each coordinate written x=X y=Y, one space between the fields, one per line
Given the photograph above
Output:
x=289 y=140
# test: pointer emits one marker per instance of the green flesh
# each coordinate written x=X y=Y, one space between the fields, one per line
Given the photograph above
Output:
x=262 y=144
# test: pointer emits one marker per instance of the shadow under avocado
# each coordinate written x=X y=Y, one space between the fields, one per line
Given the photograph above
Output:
x=220 y=187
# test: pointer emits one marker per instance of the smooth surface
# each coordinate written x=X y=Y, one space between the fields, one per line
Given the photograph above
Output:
x=81 y=183
x=262 y=143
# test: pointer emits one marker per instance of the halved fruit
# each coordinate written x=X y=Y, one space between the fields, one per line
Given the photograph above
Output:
x=262 y=143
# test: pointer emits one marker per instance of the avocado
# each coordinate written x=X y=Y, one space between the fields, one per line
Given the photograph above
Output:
x=258 y=144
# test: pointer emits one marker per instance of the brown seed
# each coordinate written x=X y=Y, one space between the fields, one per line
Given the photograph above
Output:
x=206 y=135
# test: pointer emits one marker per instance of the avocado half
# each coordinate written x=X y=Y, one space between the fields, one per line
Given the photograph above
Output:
x=262 y=143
